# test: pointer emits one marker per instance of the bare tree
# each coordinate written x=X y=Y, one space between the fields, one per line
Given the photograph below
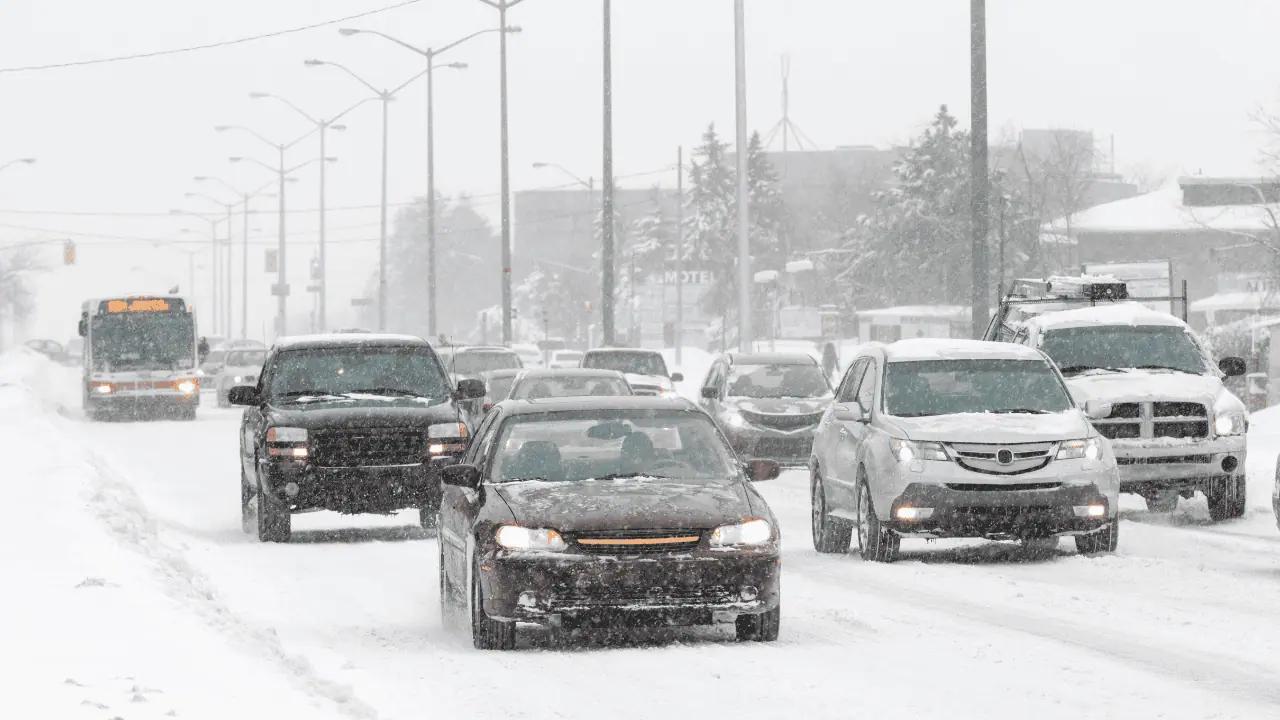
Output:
x=17 y=298
x=1058 y=179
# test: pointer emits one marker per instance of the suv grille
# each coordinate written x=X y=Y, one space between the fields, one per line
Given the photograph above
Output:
x=635 y=542
x=365 y=447
x=1164 y=419
x=1003 y=459
x=779 y=421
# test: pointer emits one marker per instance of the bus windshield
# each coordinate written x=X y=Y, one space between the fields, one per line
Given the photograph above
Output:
x=143 y=341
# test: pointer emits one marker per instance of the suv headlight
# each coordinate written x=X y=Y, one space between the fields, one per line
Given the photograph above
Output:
x=756 y=531
x=908 y=450
x=1230 y=423
x=1087 y=449
x=514 y=537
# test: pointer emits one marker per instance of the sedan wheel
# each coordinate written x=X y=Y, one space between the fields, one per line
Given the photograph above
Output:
x=486 y=633
x=875 y=542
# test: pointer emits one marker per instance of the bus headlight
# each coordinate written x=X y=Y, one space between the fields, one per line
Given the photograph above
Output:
x=187 y=387
x=102 y=388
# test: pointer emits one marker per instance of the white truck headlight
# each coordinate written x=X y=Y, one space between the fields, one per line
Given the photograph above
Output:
x=908 y=450
x=515 y=537
x=756 y=531
x=1087 y=449
x=1230 y=423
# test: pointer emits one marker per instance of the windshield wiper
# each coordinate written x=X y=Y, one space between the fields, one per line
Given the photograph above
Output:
x=1165 y=367
x=1027 y=411
x=1081 y=368
x=320 y=394
x=385 y=391
x=624 y=476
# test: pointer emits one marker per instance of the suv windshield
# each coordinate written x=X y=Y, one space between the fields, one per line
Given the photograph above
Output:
x=143 y=341
x=560 y=447
x=636 y=363
x=388 y=370
x=1123 y=346
x=944 y=387
x=778 y=381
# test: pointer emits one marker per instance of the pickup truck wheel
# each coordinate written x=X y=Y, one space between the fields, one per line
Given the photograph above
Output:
x=274 y=521
x=1161 y=502
x=1225 y=496
x=1241 y=495
x=759 y=628
x=488 y=634
x=875 y=542
x=829 y=535
x=1103 y=541
x=247 y=520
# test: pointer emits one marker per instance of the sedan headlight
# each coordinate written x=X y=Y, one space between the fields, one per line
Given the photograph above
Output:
x=908 y=450
x=1087 y=449
x=756 y=531
x=1230 y=423
x=515 y=537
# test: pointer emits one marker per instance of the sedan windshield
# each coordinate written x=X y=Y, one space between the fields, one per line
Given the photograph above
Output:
x=388 y=371
x=944 y=387
x=246 y=358
x=636 y=363
x=560 y=447
x=553 y=386
x=778 y=381
x=1123 y=346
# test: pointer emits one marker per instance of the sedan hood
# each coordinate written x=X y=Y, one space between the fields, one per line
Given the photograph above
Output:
x=780 y=406
x=362 y=411
x=994 y=428
x=625 y=504
x=1143 y=385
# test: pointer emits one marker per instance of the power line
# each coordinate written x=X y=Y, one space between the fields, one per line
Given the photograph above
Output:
x=207 y=46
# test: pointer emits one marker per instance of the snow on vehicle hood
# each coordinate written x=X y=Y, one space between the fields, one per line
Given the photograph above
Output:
x=780 y=406
x=994 y=427
x=657 y=381
x=1147 y=385
x=361 y=411
x=625 y=504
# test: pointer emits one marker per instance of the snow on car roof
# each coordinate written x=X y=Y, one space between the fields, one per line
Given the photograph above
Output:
x=955 y=349
x=1111 y=313
x=346 y=340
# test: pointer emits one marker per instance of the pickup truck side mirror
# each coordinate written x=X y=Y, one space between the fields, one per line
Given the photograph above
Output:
x=1232 y=366
x=243 y=395
x=850 y=412
x=677 y=377
x=461 y=475
x=711 y=393
x=1097 y=410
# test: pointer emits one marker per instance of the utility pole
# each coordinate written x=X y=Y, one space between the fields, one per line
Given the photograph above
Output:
x=606 y=205
x=979 y=179
x=321 y=322
x=679 y=253
x=282 y=288
x=244 y=272
x=382 y=222
x=226 y=315
x=744 y=245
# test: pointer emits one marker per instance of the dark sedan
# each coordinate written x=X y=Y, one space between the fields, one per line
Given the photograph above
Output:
x=590 y=512
x=355 y=423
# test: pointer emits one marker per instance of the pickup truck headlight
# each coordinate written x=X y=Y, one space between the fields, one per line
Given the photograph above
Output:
x=447 y=438
x=1087 y=449
x=286 y=434
x=756 y=531
x=515 y=537
x=1230 y=423
x=908 y=450
x=287 y=442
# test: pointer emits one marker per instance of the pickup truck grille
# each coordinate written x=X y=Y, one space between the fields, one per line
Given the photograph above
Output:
x=368 y=447
x=1163 y=419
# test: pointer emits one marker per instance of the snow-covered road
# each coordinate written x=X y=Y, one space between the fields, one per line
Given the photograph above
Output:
x=344 y=621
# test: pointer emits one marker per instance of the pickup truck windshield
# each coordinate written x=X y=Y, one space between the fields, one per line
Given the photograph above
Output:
x=1123 y=346
x=339 y=371
x=636 y=363
x=944 y=387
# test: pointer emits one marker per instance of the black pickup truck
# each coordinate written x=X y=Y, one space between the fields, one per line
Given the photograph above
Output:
x=350 y=423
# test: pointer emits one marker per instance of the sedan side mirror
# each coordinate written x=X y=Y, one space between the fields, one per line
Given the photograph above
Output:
x=243 y=395
x=711 y=393
x=1232 y=366
x=760 y=469
x=850 y=412
x=677 y=377
x=1097 y=410
x=469 y=389
x=463 y=476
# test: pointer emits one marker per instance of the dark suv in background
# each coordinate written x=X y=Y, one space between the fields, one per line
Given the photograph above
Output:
x=347 y=422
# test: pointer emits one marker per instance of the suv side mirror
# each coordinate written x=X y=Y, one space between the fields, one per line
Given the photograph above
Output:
x=1097 y=410
x=1232 y=366
x=711 y=393
x=850 y=412
x=760 y=469
x=677 y=377
x=243 y=395
x=460 y=475
x=469 y=389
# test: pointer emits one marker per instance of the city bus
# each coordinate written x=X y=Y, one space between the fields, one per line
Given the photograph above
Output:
x=140 y=357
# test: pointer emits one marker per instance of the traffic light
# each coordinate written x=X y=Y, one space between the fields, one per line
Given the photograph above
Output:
x=68 y=253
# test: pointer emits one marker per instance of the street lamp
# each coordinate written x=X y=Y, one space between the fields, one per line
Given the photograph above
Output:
x=213 y=257
x=222 y=312
x=322 y=126
x=430 y=55
x=502 y=6
x=25 y=161
x=245 y=197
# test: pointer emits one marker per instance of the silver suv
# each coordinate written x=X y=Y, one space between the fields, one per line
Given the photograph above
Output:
x=959 y=438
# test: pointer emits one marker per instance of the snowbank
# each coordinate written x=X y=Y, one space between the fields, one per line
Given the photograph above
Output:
x=103 y=615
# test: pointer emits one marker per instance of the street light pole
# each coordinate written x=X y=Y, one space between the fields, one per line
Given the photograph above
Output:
x=606 y=204
x=745 y=328
x=979 y=207
x=382 y=223
x=679 y=253
x=244 y=197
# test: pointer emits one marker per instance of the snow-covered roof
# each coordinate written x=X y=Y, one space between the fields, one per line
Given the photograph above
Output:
x=1162 y=210
x=954 y=349
x=1235 y=301
x=1118 y=313
x=946 y=312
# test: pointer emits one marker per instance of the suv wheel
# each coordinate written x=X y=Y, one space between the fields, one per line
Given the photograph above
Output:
x=246 y=500
x=488 y=634
x=829 y=535
x=875 y=542
x=446 y=593
x=1102 y=541
x=274 y=521
x=760 y=628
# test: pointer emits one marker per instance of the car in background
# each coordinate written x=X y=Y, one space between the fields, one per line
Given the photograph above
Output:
x=530 y=355
x=646 y=370
x=353 y=423
x=212 y=363
x=468 y=361
x=767 y=404
x=589 y=512
x=497 y=386
x=73 y=352
x=51 y=349
x=569 y=382
x=561 y=359
x=959 y=438
x=242 y=367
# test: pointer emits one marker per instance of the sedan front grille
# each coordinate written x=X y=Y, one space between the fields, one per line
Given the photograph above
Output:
x=367 y=447
x=782 y=421
x=635 y=542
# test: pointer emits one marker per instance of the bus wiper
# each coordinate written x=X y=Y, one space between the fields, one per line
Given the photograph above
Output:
x=1081 y=368
x=385 y=391
x=1026 y=411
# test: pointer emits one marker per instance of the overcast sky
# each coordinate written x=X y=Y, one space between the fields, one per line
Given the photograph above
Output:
x=1175 y=83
